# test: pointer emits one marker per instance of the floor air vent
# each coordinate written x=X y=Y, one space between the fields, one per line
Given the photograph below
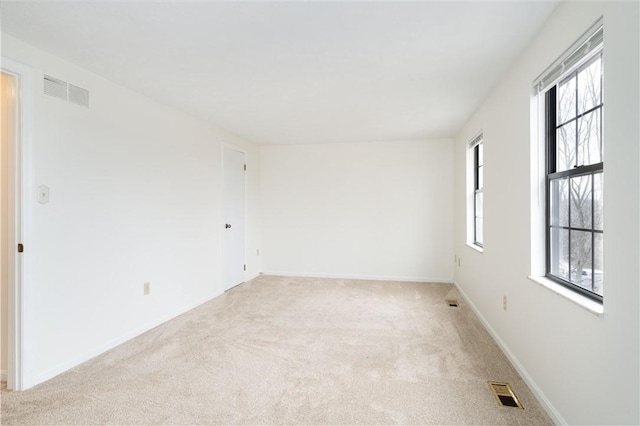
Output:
x=504 y=395
x=452 y=303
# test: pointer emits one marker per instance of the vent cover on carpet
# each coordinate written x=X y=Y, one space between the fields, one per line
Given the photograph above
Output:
x=452 y=303
x=504 y=395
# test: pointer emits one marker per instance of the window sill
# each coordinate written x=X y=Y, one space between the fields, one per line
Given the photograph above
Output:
x=475 y=247
x=582 y=301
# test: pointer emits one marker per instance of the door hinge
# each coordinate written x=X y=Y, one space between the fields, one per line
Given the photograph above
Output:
x=244 y=267
x=245 y=167
x=20 y=248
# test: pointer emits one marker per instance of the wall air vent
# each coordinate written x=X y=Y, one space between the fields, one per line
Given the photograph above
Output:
x=78 y=95
x=54 y=87
x=66 y=91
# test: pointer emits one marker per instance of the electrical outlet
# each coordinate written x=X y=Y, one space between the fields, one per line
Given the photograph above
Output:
x=257 y=252
x=504 y=302
x=147 y=288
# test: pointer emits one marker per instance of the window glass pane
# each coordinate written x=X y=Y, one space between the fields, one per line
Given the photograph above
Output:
x=597 y=201
x=559 y=202
x=589 y=84
x=476 y=173
x=479 y=236
x=478 y=212
x=559 y=245
x=566 y=147
x=566 y=100
x=581 y=258
x=580 y=188
x=575 y=201
x=598 y=269
x=589 y=138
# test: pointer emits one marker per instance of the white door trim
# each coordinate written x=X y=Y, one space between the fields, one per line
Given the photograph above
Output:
x=244 y=151
x=20 y=208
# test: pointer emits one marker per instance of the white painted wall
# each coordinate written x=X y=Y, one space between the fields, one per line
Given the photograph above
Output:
x=135 y=196
x=585 y=366
x=377 y=210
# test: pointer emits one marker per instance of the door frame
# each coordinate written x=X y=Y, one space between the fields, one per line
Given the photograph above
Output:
x=19 y=208
x=246 y=154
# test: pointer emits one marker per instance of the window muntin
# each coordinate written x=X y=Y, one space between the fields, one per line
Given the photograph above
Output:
x=575 y=173
x=478 y=197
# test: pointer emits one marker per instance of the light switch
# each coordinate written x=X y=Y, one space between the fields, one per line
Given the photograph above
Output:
x=43 y=194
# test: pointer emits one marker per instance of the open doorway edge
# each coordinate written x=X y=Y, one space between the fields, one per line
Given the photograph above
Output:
x=19 y=180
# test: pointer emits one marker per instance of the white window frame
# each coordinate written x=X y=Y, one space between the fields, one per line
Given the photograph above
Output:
x=472 y=230
x=583 y=50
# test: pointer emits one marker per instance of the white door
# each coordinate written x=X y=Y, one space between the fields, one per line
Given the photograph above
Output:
x=234 y=170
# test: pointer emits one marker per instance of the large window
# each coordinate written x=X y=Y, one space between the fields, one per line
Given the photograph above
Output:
x=575 y=173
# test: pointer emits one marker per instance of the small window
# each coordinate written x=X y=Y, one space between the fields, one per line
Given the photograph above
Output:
x=477 y=172
x=575 y=173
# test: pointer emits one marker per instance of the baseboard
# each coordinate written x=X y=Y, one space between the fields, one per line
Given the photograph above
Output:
x=3 y=375
x=360 y=277
x=533 y=386
x=61 y=368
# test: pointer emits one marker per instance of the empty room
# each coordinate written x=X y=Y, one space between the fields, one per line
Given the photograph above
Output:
x=320 y=212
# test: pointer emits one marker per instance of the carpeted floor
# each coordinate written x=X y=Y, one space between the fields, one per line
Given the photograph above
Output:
x=279 y=350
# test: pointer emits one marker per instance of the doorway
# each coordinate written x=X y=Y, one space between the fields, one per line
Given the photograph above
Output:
x=8 y=91
x=234 y=217
x=16 y=95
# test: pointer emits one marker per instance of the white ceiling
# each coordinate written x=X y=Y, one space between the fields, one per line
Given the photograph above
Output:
x=295 y=72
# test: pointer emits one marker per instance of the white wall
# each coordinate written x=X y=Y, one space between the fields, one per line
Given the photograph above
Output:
x=378 y=210
x=135 y=196
x=586 y=366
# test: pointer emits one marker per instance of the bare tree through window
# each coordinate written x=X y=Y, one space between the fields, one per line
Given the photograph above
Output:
x=575 y=178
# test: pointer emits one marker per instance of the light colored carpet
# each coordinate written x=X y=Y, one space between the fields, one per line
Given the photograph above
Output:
x=279 y=350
